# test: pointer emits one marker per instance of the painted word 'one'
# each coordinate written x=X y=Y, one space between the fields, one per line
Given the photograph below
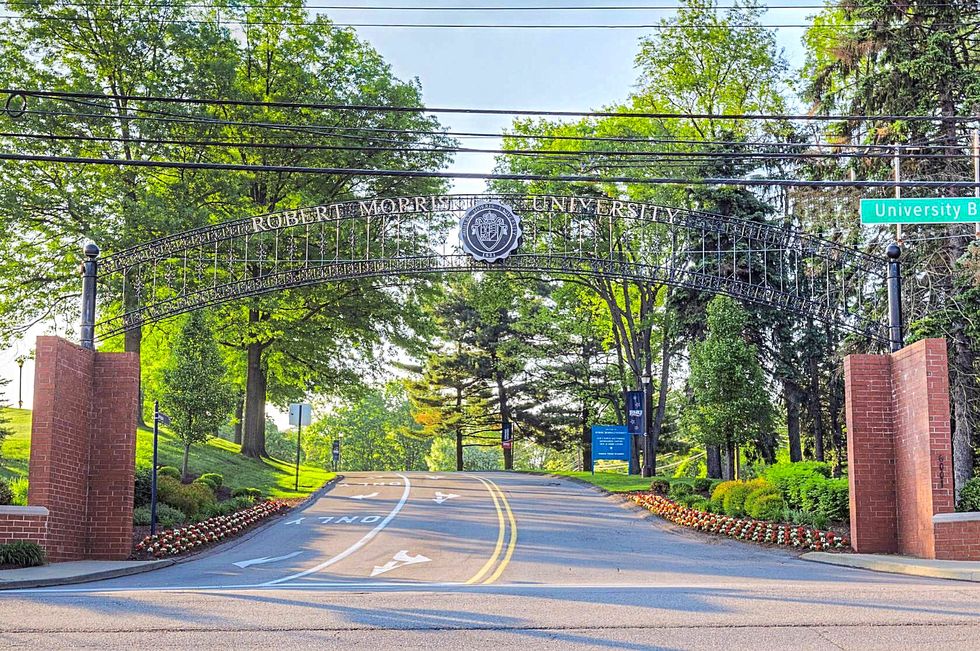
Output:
x=349 y=519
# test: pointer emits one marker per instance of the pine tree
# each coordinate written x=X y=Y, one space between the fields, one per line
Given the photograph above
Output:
x=731 y=402
x=195 y=393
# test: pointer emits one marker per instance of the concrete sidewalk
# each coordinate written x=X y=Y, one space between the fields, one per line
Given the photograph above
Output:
x=958 y=570
x=74 y=572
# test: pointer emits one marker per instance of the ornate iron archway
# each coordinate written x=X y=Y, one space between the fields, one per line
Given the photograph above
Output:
x=562 y=236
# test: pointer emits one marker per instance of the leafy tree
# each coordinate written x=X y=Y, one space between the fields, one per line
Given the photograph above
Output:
x=195 y=392
x=441 y=457
x=376 y=430
x=731 y=405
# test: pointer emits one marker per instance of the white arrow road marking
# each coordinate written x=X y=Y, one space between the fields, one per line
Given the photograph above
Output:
x=434 y=476
x=260 y=561
x=353 y=548
x=401 y=559
x=442 y=497
x=296 y=521
x=363 y=497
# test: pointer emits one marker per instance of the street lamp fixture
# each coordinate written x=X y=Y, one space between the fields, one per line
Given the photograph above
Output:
x=647 y=470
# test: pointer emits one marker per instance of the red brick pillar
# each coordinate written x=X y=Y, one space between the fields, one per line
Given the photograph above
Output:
x=83 y=446
x=899 y=448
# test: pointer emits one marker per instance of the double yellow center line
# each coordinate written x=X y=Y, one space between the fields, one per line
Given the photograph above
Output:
x=500 y=557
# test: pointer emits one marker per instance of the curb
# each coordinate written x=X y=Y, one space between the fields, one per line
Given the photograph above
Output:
x=168 y=562
x=933 y=569
x=91 y=576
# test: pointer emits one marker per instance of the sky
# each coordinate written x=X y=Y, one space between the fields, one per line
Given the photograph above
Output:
x=567 y=70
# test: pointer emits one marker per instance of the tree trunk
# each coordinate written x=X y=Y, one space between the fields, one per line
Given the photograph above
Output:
x=133 y=341
x=187 y=454
x=964 y=395
x=658 y=419
x=816 y=412
x=730 y=472
x=792 y=399
x=239 y=418
x=253 y=440
x=459 y=450
x=713 y=454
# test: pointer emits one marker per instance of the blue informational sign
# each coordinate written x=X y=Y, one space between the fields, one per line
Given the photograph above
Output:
x=610 y=442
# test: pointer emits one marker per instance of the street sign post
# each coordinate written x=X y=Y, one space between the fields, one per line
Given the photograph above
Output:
x=942 y=210
x=300 y=413
x=158 y=417
x=610 y=442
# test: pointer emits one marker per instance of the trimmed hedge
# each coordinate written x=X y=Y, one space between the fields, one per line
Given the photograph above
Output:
x=167 y=516
x=168 y=471
x=762 y=489
x=247 y=492
x=189 y=498
x=660 y=486
x=215 y=478
x=703 y=484
x=22 y=554
x=768 y=506
x=734 y=501
x=790 y=477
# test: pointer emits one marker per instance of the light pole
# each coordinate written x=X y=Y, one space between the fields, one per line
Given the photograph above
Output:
x=20 y=377
x=647 y=439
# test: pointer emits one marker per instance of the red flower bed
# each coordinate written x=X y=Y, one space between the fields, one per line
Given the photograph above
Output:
x=177 y=541
x=741 y=528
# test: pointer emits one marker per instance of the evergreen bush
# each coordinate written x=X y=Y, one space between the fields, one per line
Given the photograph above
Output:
x=734 y=501
x=167 y=516
x=718 y=495
x=215 y=478
x=247 y=492
x=703 y=484
x=679 y=489
x=767 y=506
x=143 y=486
x=763 y=488
x=168 y=471
x=189 y=498
x=790 y=477
x=6 y=495
x=660 y=486
x=970 y=496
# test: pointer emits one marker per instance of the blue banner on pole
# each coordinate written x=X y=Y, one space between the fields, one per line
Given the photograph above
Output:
x=634 y=412
x=610 y=442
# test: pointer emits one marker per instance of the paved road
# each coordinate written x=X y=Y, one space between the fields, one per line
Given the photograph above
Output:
x=411 y=560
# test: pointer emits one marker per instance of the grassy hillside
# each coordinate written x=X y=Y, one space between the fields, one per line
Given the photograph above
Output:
x=273 y=477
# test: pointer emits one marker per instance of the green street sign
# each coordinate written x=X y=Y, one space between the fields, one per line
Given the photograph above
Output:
x=920 y=211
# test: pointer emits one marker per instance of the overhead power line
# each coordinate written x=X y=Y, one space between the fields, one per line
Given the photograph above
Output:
x=375 y=108
x=413 y=8
x=652 y=156
x=341 y=171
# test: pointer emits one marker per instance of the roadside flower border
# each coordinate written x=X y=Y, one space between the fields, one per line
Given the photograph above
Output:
x=758 y=531
x=177 y=541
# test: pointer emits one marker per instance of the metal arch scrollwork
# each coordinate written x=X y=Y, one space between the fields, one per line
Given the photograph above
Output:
x=562 y=236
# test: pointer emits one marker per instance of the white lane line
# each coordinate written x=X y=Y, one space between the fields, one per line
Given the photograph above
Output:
x=356 y=546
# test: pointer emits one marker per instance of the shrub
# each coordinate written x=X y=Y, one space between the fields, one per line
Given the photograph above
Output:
x=718 y=494
x=680 y=490
x=970 y=496
x=19 y=488
x=768 y=506
x=247 y=492
x=168 y=471
x=6 y=495
x=215 y=478
x=762 y=488
x=734 y=502
x=167 y=516
x=834 y=500
x=143 y=482
x=789 y=478
x=658 y=486
x=189 y=498
x=207 y=482
x=703 y=484
x=21 y=553
x=700 y=503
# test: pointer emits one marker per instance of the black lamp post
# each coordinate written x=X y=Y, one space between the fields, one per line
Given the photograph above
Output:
x=647 y=439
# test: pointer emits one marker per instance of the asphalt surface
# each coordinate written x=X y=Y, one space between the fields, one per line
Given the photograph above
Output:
x=418 y=560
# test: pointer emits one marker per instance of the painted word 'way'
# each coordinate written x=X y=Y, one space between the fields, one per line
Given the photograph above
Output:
x=349 y=519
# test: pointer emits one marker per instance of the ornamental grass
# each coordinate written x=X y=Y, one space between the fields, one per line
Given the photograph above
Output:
x=758 y=531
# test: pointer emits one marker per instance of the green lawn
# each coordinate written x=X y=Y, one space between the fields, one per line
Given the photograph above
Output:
x=615 y=482
x=273 y=477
